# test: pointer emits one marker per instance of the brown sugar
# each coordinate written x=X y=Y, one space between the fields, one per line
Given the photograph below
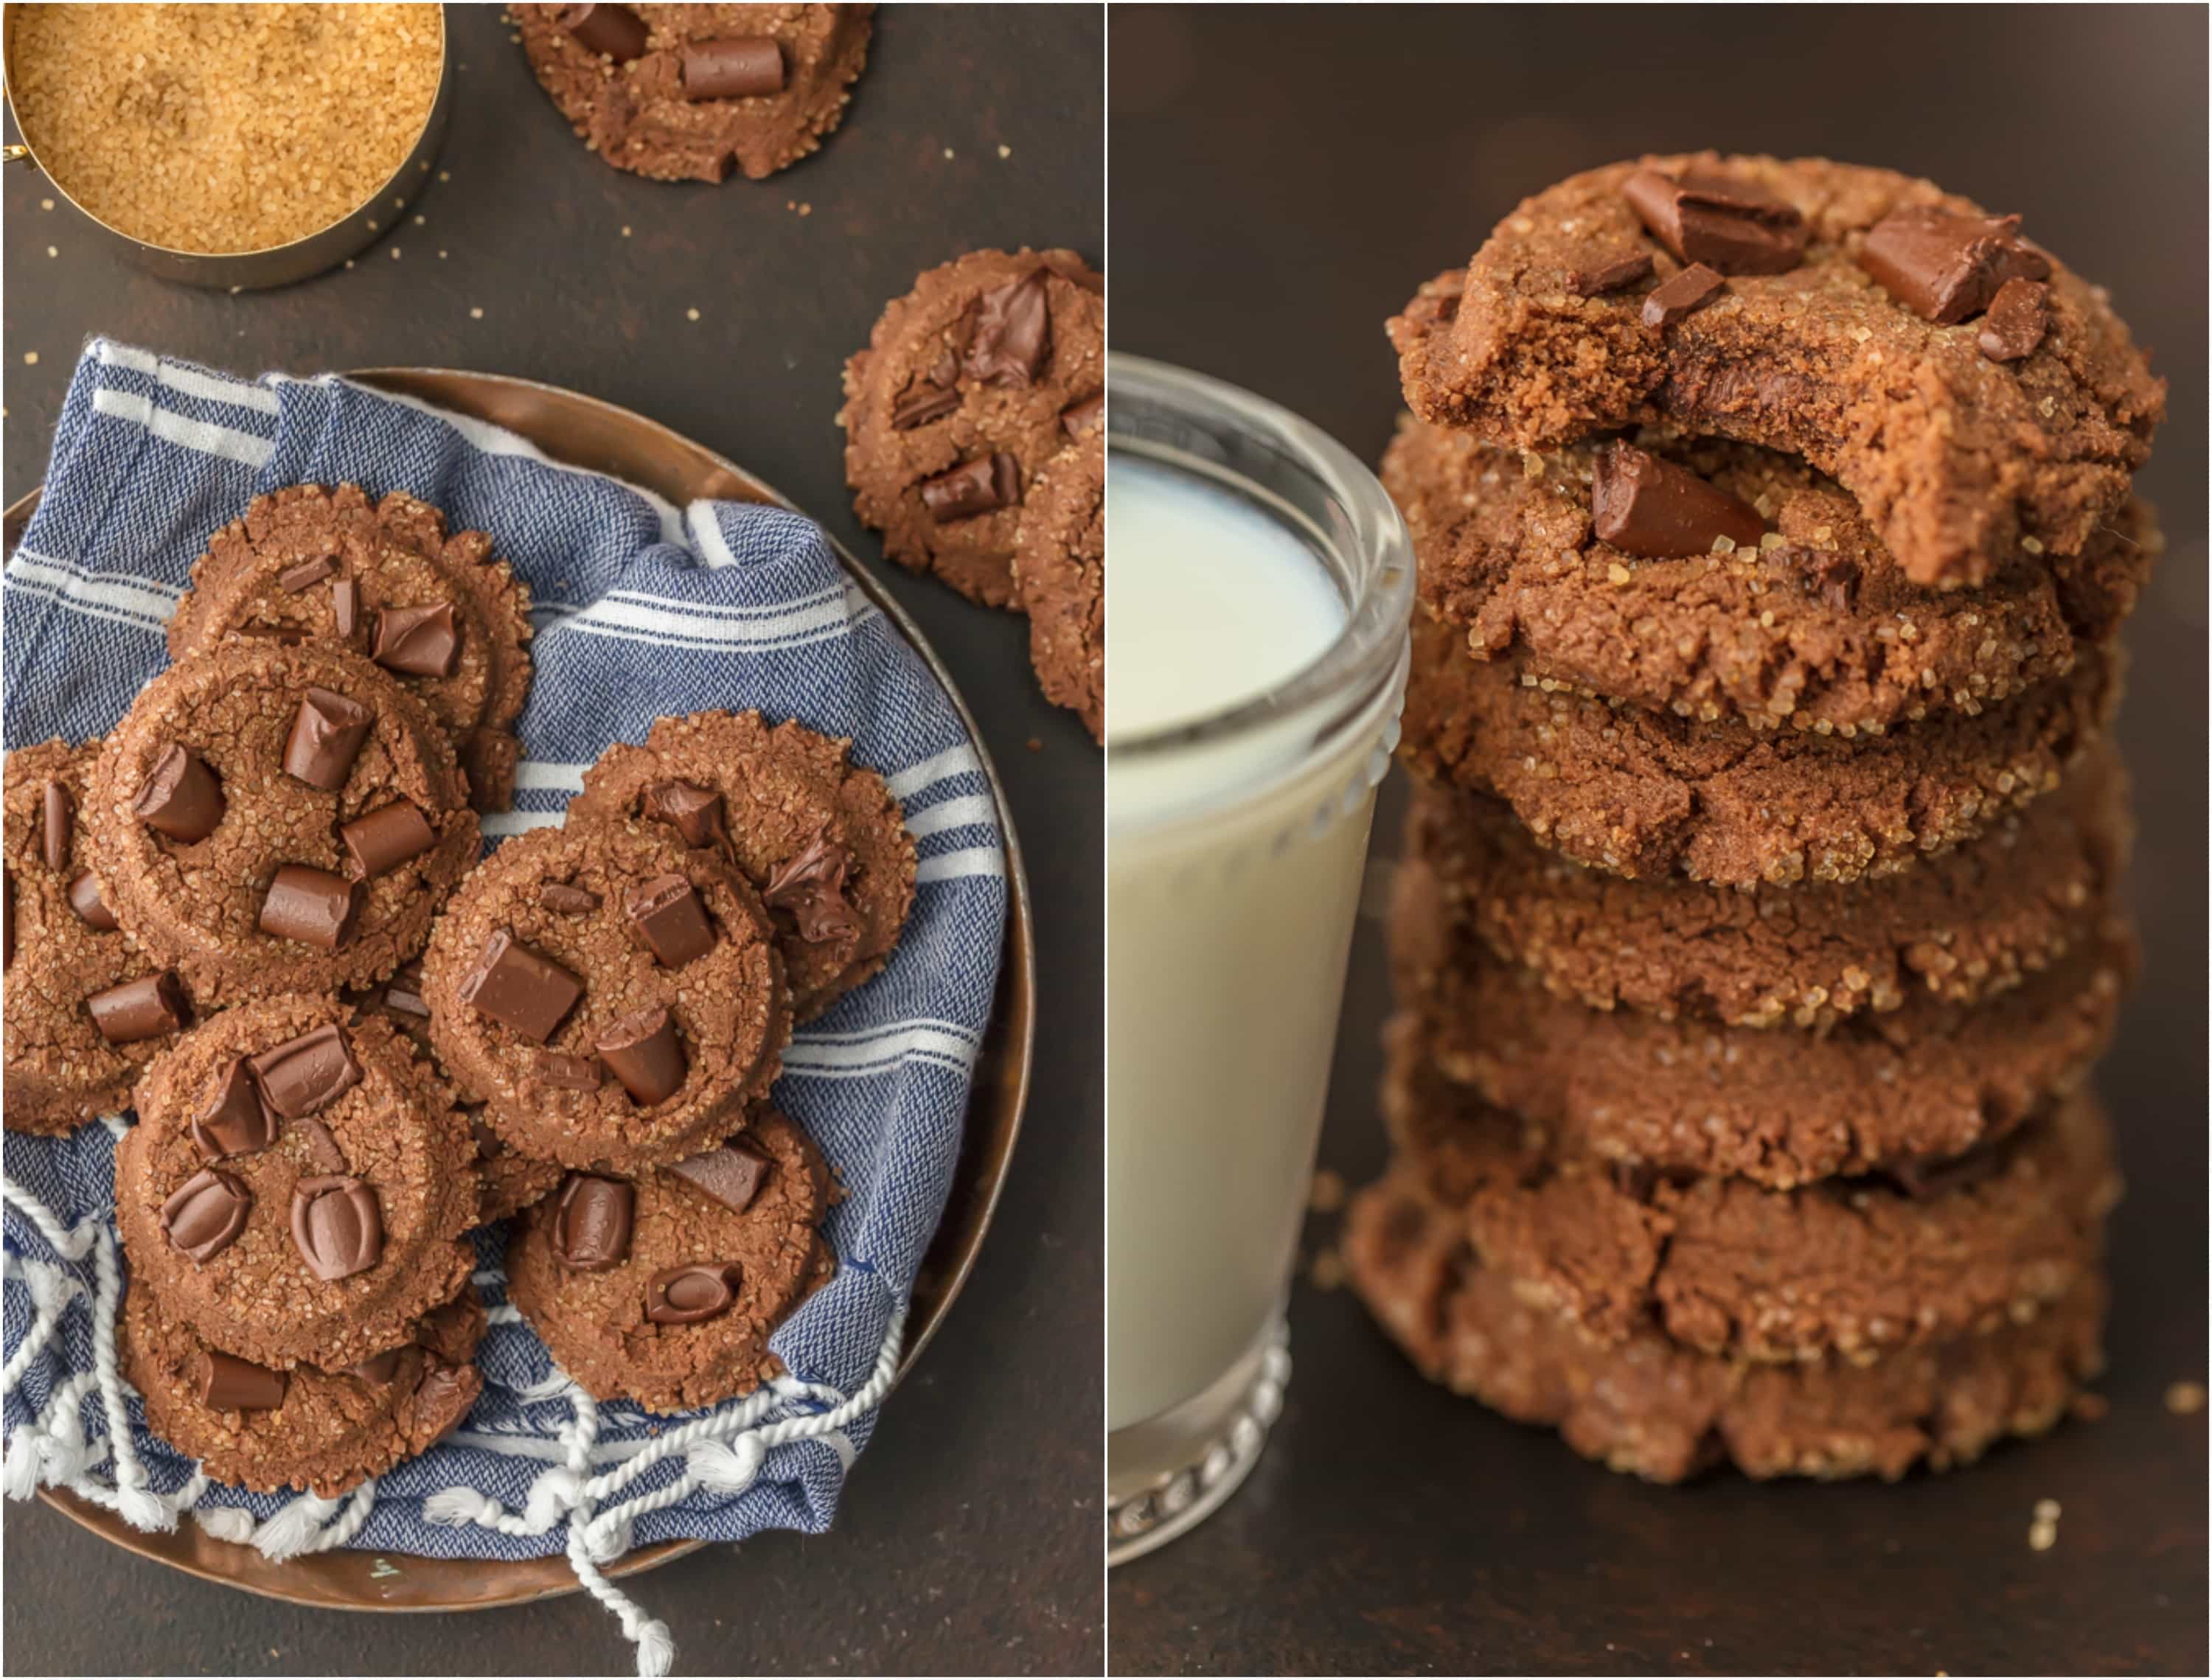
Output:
x=224 y=128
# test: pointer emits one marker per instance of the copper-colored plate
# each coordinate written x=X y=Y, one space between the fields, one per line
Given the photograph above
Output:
x=586 y=433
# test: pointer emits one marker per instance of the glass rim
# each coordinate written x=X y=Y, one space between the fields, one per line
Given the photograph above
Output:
x=1367 y=654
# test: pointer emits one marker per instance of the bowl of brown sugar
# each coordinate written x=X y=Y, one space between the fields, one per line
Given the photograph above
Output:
x=239 y=146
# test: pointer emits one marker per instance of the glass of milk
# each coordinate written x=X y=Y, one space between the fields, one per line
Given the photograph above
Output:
x=1259 y=582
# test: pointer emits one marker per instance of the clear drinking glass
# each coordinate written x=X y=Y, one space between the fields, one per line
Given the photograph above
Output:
x=1235 y=845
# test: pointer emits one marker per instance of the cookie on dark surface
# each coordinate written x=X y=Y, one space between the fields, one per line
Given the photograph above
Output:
x=86 y=1008
x=1962 y=928
x=1060 y=579
x=319 y=1432
x=971 y=383
x=1647 y=1406
x=611 y=995
x=819 y=838
x=1807 y=619
x=664 y=1287
x=1845 y=314
x=383 y=579
x=297 y=1185
x=1651 y=797
x=689 y=93
x=269 y=819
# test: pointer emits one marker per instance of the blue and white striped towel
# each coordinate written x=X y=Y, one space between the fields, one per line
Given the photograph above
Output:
x=643 y=610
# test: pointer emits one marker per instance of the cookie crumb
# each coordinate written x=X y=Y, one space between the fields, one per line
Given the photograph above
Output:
x=30 y=357
x=1328 y=1269
x=421 y=220
x=445 y=174
x=691 y=314
x=441 y=256
x=45 y=203
x=2183 y=1399
x=476 y=314
x=948 y=151
x=1328 y=1193
x=625 y=233
x=806 y=209
x=51 y=251
x=1035 y=745
x=1005 y=151
x=395 y=253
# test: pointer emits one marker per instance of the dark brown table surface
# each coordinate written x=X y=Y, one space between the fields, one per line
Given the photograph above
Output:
x=1276 y=190
x=968 y=1539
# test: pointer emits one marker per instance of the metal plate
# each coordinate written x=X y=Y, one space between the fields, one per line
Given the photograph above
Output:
x=584 y=432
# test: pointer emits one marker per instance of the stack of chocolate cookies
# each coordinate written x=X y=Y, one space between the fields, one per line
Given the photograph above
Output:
x=1758 y=922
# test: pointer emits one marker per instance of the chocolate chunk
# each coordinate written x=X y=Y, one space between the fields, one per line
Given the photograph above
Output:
x=809 y=886
x=1681 y=293
x=417 y=641
x=55 y=823
x=403 y=994
x=980 y=486
x=307 y=573
x=645 y=1054
x=1611 y=274
x=379 y=1368
x=1926 y=1181
x=693 y=811
x=488 y=1141
x=1734 y=226
x=1833 y=576
x=181 y=797
x=309 y=1072
x=944 y=371
x=91 y=906
x=234 y=1120
x=731 y=1174
x=327 y=733
x=1010 y=340
x=336 y=1226
x=206 y=1216
x=310 y=905
x=1646 y=507
x=346 y=607
x=734 y=67
x=922 y=405
x=322 y=1147
x=387 y=837
x=570 y=1073
x=229 y=1383
x=145 y=1008
x=616 y=31
x=563 y=899
x=1083 y=416
x=666 y=913
x=441 y=1391
x=1944 y=267
x=686 y=1294
x=592 y=1222
x=2019 y=316
x=520 y=988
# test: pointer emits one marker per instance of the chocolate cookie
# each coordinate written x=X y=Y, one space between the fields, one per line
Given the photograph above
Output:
x=1845 y=314
x=971 y=383
x=662 y=1289
x=683 y=92
x=297 y=1185
x=269 y=819
x=1650 y=795
x=1650 y=1407
x=1966 y=926
x=384 y=580
x=611 y=997
x=1848 y=1266
x=1060 y=579
x=86 y=1008
x=321 y=1432
x=819 y=837
x=1927 y=1081
x=1595 y=567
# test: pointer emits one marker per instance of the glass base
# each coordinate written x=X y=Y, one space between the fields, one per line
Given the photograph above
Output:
x=1167 y=1474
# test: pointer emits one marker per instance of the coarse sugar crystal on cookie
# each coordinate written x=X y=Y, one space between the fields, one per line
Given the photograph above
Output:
x=1853 y=1266
x=1710 y=580
x=1060 y=579
x=687 y=93
x=1964 y=927
x=269 y=819
x=612 y=997
x=297 y=1185
x=819 y=838
x=323 y=1432
x=1647 y=1406
x=382 y=579
x=86 y=1007
x=1977 y=397
x=971 y=383
x=664 y=1287
x=1651 y=796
